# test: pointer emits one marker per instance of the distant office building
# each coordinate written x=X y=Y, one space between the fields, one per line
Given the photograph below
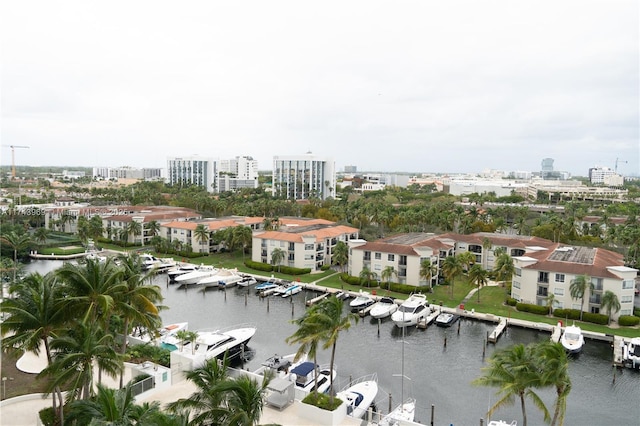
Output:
x=605 y=176
x=351 y=169
x=238 y=172
x=73 y=174
x=194 y=170
x=126 y=173
x=300 y=177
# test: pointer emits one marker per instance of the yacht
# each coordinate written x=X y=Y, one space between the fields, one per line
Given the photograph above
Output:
x=383 y=308
x=214 y=344
x=572 y=339
x=359 y=396
x=631 y=352
x=194 y=277
x=181 y=269
x=166 y=334
x=223 y=276
x=411 y=311
x=363 y=300
x=150 y=262
x=303 y=376
x=403 y=413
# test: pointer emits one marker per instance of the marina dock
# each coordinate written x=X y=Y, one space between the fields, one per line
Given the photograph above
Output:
x=556 y=333
x=495 y=334
x=425 y=322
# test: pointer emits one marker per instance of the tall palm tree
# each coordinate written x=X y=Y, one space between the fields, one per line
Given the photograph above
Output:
x=467 y=259
x=308 y=335
x=32 y=317
x=579 y=287
x=504 y=268
x=17 y=242
x=551 y=299
x=201 y=234
x=244 y=399
x=277 y=256
x=153 y=228
x=479 y=276
x=96 y=229
x=41 y=235
x=134 y=228
x=610 y=303
x=387 y=273
x=451 y=269
x=513 y=371
x=329 y=316
x=553 y=365
x=340 y=255
x=367 y=275
x=243 y=235
x=427 y=271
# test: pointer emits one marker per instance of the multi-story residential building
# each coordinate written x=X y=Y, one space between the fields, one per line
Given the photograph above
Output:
x=183 y=232
x=306 y=243
x=541 y=272
x=238 y=172
x=605 y=176
x=542 y=266
x=127 y=173
x=300 y=177
x=194 y=170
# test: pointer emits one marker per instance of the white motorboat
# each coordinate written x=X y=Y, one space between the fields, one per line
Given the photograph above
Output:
x=411 y=311
x=631 y=352
x=194 y=277
x=363 y=300
x=383 y=308
x=281 y=365
x=288 y=289
x=446 y=319
x=181 y=269
x=150 y=262
x=266 y=285
x=223 y=275
x=95 y=257
x=247 y=281
x=303 y=376
x=572 y=339
x=214 y=344
x=166 y=334
x=403 y=413
x=502 y=423
x=360 y=395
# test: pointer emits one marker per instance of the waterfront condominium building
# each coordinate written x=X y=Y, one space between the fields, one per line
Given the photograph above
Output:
x=200 y=171
x=238 y=172
x=300 y=177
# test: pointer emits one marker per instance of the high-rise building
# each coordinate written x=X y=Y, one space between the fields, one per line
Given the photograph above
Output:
x=238 y=172
x=300 y=177
x=194 y=170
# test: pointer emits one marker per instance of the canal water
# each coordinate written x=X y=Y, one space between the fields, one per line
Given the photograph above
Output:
x=435 y=375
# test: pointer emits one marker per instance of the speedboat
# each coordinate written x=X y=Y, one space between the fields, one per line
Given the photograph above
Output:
x=411 y=311
x=221 y=279
x=363 y=300
x=383 y=308
x=303 y=376
x=247 y=281
x=446 y=319
x=286 y=290
x=150 y=262
x=572 y=339
x=267 y=285
x=194 y=277
x=403 y=413
x=182 y=269
x=631 y=352
x=215 y=344
x=360 y=395
x=281 y=365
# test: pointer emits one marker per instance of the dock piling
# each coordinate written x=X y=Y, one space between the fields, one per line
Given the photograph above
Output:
x=433 y=411
x=267 y=304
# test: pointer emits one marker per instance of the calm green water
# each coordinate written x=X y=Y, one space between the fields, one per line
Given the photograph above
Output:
x=437 y=375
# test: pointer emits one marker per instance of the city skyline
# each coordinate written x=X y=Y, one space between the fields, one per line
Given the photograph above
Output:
x=410 y=87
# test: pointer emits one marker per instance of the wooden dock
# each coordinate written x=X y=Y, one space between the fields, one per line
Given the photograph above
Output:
x=556 y=333
x=495 y=334
x=426 y=321
x=315 y=300
x=364 y=312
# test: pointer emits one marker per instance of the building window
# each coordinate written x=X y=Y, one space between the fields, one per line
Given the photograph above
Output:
x=367 y=255
x=515 y=284
x=377 y=267
x=378 y=256
x=597 y=283
x=625 y=312
x=518 y=272
x=626 y=299
x=558 y=291
x=390 y=257
x=559 y=278
x=309 y=247
x=626 y=284
x=543 y=277
x=543 y=291
x=576 y=306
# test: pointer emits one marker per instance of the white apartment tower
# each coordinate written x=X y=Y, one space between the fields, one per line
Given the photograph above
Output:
x=300 y=177
x=238 y=172
x=200 y=171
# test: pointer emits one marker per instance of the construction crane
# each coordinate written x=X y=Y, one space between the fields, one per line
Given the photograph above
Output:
x=13 y=158
x=619 y=161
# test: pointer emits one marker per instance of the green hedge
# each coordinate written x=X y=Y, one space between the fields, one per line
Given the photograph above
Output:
x=258 y=266
x=595 y=318
x=628 y=320
x=534 y=309
x=289 y=270
x=511 y=301
x=636 y=312
x=349 y=279
x=574 y=314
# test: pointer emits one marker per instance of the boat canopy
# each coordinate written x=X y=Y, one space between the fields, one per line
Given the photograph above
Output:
x=303 y=369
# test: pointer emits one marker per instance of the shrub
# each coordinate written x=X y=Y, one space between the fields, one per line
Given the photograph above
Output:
x=570 y=314
x=141 y=353
x=259 y=266
x=595 y=318
x=325 y=267
x=349 y=279
x=294 y=271
x=636 y=312
x=407 y=289
x=534 y=309
x=628 y=320
x=322 y=400
x=511 y=301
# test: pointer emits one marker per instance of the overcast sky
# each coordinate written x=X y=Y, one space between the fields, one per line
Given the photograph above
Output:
x=416 y=86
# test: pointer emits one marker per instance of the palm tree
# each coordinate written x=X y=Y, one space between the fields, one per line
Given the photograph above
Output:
x=467 y=259
x=244 y=399
x=479 y=276
x=32 y=317
x=17 y=242
x=513 y=371
x=329 y=316
x=367 y=275
x=579 y=287
x=153 y=228
x=243 y=235
x=551 y=298
x=309 y=336
x=41 y=235
x=610 y=303
x=201 y=234
x=387 y=273
x=451 y=268
x=427 y=271
x=277 y=256
x=340 y=255
x=134 y=228
x=504 y=268
x=206 y=402
x=553 y=363
x=95 y=227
